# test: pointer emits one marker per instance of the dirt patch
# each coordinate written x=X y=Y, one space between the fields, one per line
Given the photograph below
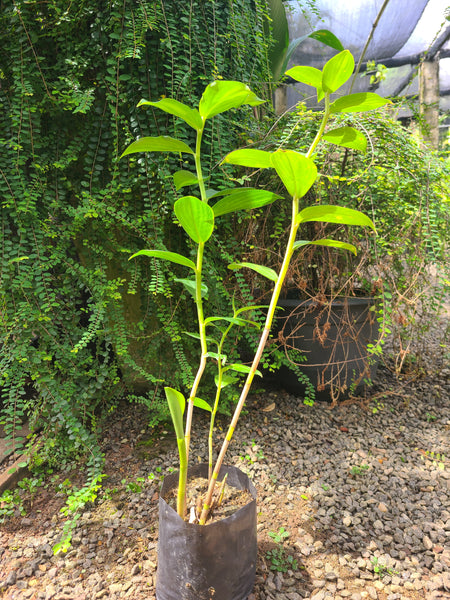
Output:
x=227 y=500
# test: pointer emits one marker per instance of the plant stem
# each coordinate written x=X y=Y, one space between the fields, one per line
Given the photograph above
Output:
x=184 y=460
x=256 y=360
x=198 y=302
x=326 y=116
x=181 y=493
x=216 y=401
x=267 y=326
x=213 y=417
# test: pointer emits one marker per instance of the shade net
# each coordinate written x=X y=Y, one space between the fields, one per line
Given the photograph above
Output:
x=407 y=31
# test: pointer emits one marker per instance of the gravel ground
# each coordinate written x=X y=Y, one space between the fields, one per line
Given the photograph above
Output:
x=362 y=490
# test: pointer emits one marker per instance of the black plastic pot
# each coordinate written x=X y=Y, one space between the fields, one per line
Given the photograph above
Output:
x=207 y=562
x=334 y=338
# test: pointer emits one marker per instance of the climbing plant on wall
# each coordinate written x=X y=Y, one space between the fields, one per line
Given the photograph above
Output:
x=78 y=330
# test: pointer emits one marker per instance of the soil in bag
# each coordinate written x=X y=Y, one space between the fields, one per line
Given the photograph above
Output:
x=216 y=561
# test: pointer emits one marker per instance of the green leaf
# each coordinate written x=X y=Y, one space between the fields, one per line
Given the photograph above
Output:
x=337 y=71
x=197 y=336
x=348 y=137
x=196 y=218
x=321 y=35
x=242 y=199
x=162 y=143
x=190 y=115
x=295 y=170
x=279 y=33
x=326 y=213
x=219 y=357
x=247 y=308
x=242 y=369
x=307 y=75
x=177 y=403
x=226 y=380
x=189 y=284
x=179 y=259
x=18 y=259
x=220 y=96
x=327 y=38
x=233 y=320
x=326 y=242
x=247 y=157
x=184 y=178
x=264 y=271
x=199 y=403
x=361 y=102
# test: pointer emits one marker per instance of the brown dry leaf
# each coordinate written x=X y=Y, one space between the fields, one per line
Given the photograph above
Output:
x=269 y=408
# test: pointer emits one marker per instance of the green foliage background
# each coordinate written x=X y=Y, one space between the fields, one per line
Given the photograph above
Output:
x=80 y=325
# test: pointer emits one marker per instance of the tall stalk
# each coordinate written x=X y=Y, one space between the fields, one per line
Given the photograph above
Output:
x=200 y=315
x=295 y=223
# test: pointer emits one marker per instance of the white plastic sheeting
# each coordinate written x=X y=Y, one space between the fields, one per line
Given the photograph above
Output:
x=406 y=31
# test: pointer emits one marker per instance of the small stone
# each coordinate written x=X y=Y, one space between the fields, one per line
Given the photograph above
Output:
x=382 y=507
x=21 y=585
x=11 y=579
x=50 y=592
x=427 y=542
x=291 y=596
x=373 y=595
x=347 y=521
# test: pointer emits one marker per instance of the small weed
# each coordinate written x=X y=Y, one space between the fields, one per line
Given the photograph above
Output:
x=381 y=569
x=438 y=459
x=430 y=417
x=13 y=501
x=279 y=559
x=279 y=537
x=377 y=406
x=257 y=454
x=135 y=487
x=10 y=503
x=108 y=493
x=358 y=469
x=30 y=487
x=325 y=487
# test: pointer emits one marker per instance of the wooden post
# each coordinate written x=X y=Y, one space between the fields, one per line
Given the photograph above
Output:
x=429 y=100
x=280 y=99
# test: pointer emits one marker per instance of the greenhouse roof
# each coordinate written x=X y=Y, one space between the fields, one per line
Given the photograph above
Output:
x=407 y=32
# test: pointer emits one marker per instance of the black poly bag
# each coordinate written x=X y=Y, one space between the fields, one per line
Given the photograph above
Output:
x=207 y=562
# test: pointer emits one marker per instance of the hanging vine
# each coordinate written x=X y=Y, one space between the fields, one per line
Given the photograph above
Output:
x=80 y=325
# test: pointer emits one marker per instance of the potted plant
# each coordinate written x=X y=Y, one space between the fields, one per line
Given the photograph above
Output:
x=193 y=555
